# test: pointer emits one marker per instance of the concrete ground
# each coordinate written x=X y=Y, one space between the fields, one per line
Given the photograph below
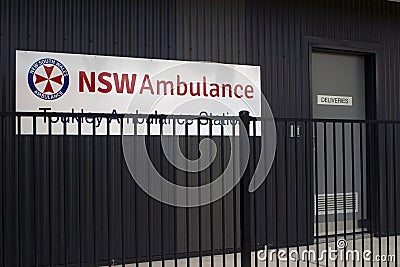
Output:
x=383 y=249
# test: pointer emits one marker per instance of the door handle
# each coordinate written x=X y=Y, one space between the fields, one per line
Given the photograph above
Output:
x=314 y=139
x=295 y=131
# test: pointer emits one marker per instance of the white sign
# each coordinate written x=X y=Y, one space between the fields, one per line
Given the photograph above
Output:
x=58 y=82
x=335 y=100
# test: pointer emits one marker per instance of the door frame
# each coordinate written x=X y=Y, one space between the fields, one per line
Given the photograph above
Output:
x=370 y=52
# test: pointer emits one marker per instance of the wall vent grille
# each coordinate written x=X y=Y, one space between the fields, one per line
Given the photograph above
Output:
x=345 y=202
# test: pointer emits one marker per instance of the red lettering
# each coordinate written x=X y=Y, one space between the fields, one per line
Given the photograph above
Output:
x=197 y=93
x=130 y=85
x=165 y=84
x=224 y=86
x=179 y=83
x=146 y=79
x=214 y=92
x=248 y=91
x=83 y=80
x=126 y=83
x=103 y=81
x=204 y=86
x=236 y=90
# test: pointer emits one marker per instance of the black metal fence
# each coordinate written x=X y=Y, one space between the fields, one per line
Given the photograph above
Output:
x=68 y=197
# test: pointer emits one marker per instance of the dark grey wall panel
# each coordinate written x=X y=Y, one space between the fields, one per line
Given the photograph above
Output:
x=78 y=218
x=266 y=33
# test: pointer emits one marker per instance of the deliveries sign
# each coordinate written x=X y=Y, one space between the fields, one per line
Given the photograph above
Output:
x=55 y=82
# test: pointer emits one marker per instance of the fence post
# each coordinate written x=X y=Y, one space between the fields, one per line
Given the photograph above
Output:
x=245 y=236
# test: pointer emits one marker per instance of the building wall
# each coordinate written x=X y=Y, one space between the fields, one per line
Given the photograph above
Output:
x=272 y=34
x=267 y=33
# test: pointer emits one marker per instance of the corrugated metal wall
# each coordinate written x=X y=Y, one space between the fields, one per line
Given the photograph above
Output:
x=268 y=33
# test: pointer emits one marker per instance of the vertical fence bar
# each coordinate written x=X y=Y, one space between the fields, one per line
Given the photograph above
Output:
x=235 y=261
x=149 y=200
x=245 y=238
x=223 y=200
x=380 y=196
x=199 y=184
x=287 y=162
x=3 y=202
x=353 y=188
x=18 y=138
x=276 y=202
x=297 y=136
x=266 y=207
x=8 y=197
x=362 y=190
x=154 y=204
x=371 y=131
x=135 y=145
x=35 y=209
x=65 y=175
x=307 y=172
x=80 y=177
x=315 y=167
x=109 y=187
x=187 y=197
x=387 y=166
x=49 y=143
x=95 y=257
x=210 y=135
x=162 y=204
x=326 y=190
x=344 y=183
x=335 y=191
x=122 y=195
x=395 y=190
x=174 y=170
x=254 y=194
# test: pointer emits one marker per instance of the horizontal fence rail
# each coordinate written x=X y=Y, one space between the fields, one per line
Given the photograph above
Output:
x=68 y=196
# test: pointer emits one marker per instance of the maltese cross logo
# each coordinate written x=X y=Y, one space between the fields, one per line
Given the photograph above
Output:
x=48 y=79
x=55 y=79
